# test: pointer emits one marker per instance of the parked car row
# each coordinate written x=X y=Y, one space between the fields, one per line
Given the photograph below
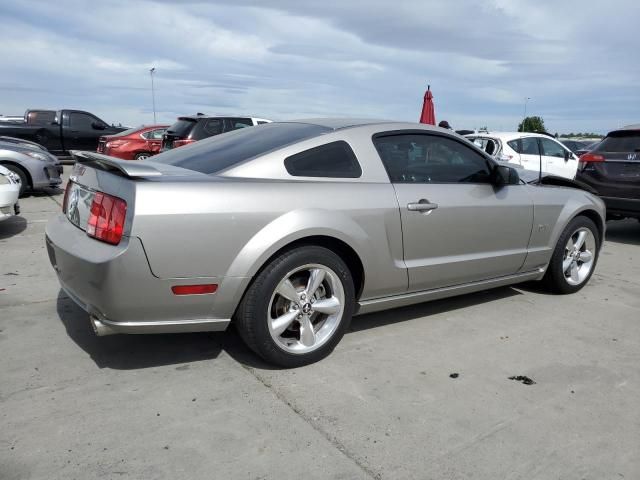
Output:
x=60 y=131
x=609 y=167
x=145 y=141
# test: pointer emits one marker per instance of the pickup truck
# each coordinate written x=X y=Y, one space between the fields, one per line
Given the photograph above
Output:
x=60 y=131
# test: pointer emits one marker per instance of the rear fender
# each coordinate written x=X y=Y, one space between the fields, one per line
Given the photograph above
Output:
x=288 y=228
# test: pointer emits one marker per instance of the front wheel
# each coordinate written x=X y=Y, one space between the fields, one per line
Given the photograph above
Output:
x=298 y=307
x=574 y=257
x=142 y=156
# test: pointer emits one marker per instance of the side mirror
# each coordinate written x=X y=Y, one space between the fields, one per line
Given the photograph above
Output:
x=97 y=126
x=504 y=175
x=567 y=155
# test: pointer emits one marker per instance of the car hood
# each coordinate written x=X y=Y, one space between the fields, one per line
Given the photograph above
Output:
x=26 y=149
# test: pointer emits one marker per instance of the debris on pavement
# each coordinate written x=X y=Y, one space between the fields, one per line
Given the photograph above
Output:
x=523 y=378
x=454 y=375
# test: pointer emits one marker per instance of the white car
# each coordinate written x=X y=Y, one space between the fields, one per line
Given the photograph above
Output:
x=529 y=150
x=9 y=192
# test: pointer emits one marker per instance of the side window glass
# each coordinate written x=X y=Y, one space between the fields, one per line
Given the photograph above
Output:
x=333 y=160
x=213 y=126
x=419 y=158
x=516 y=145
x=157 y=134
x=551 y=148
x=530 y=146
x=237 y=123
x=81 y=121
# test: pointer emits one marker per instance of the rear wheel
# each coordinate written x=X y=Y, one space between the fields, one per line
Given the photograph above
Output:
x=24 y=180
x=142 y=156
x=574 y=257
x=298 y=307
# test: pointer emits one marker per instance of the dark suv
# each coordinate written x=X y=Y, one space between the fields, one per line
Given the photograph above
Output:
x=612 y=168
x=192 y=128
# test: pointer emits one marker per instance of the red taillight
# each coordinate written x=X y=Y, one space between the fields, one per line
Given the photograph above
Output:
x=106 y=219
x=194 y=289
x=66 y=196
x=591 y=158
x=180 y=143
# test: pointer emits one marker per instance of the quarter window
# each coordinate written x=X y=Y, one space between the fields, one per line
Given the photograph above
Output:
x=333 y=160
x=515 y=145
x=420 y=158
x=551 y=148
x=236 y=123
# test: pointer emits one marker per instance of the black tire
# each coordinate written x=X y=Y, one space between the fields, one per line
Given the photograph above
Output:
x=252 y=317
x=142 y=155
x=24 y=180
x=555 y=279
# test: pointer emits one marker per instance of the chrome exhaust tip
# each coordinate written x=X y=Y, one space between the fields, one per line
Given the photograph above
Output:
x=100 y=329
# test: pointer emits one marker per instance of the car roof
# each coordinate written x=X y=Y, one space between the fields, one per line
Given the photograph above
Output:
x=203 y=116
x=509 y=135
x=635 y=126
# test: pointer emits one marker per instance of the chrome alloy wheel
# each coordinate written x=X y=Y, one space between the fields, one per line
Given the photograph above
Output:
x=306 y=308
x=579 y=256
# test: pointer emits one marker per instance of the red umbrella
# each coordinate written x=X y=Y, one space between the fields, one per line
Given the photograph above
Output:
x=428 y=110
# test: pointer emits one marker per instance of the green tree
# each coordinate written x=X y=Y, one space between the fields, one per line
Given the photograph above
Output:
x=531 y=124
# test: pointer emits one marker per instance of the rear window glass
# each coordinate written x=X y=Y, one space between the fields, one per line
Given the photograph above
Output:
x=515 y=145
x=333 y=160
x=215 y=154
x=181 y=128
x=41 y=117
x=620 y=142
x=124 y=133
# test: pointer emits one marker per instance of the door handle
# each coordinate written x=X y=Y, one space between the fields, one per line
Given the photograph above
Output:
x=422 y=205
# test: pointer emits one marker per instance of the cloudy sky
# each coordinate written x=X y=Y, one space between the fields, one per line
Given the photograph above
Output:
x=578 y=61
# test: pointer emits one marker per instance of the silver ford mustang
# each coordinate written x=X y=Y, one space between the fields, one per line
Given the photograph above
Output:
x=289 y=229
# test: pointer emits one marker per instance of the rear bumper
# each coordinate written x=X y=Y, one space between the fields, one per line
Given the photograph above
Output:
x=627 y=207
x=9 y=201
x=114 y=284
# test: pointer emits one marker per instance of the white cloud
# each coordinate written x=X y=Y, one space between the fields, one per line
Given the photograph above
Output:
x=287 y=58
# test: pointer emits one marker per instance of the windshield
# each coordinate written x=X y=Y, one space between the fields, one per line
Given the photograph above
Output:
x=220 y=152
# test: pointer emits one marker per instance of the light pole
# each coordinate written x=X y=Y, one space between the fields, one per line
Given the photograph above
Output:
x=526 y=99
x=153 y=93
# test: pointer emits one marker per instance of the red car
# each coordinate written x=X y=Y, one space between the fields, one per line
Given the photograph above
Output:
x=133 y=144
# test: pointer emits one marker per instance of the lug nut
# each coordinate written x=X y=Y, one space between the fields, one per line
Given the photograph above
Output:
x=303 y=296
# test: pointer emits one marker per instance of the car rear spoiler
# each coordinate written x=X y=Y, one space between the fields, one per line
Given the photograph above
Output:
x=131 y=168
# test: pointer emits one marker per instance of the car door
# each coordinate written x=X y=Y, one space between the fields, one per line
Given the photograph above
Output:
x=82 y=133
x=154 y=139
x=530 y=154
x=558 y=159
x=457 y=226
